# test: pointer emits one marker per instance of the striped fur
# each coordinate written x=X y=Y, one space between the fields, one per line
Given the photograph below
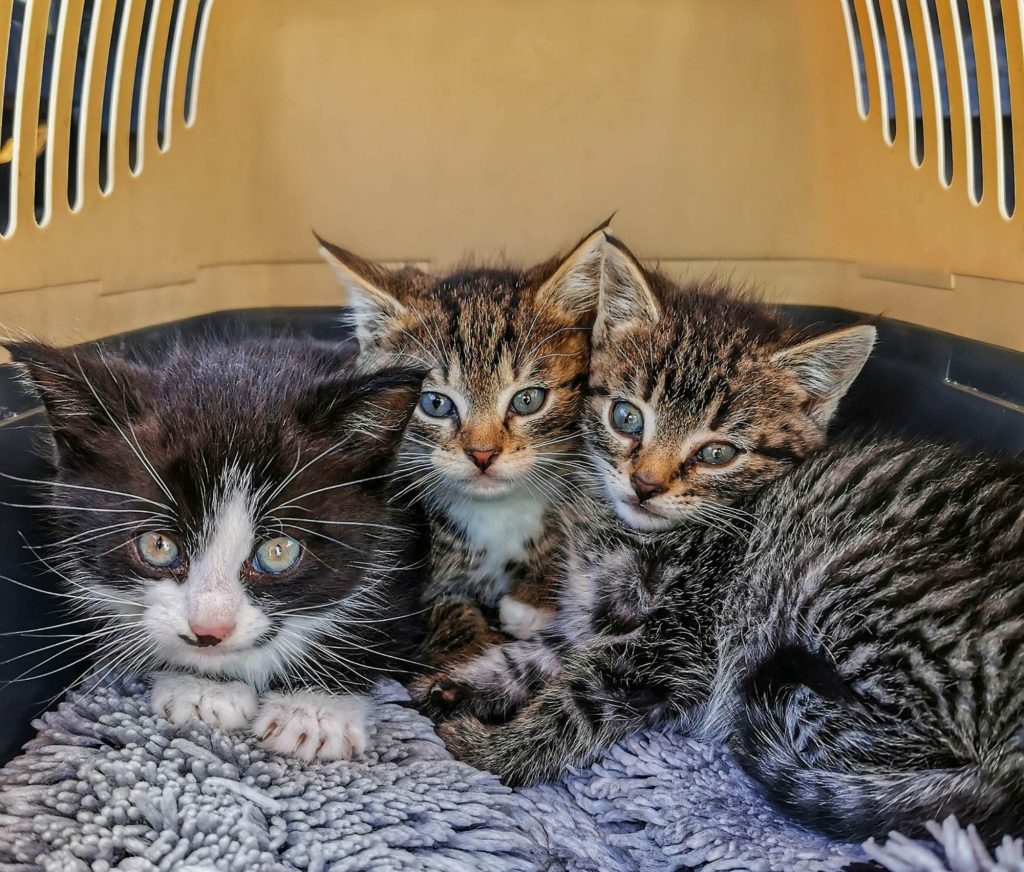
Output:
x=861 y=648
x=485 y=334
x=852 y=627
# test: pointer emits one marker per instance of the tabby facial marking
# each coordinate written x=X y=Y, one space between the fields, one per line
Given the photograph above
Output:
x=507 y=355
x=699 y=397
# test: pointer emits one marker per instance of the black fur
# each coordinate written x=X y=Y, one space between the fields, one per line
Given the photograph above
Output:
x=149 y=440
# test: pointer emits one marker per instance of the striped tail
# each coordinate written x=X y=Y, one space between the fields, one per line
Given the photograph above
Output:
x=808 y=744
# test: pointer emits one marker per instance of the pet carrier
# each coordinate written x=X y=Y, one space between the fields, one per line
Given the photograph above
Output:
x=162 y=160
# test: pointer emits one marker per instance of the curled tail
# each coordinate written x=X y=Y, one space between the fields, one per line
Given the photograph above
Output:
x=827 y=762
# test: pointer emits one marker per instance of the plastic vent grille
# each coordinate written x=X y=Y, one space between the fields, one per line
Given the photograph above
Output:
x=92 y=91
x=946 y=71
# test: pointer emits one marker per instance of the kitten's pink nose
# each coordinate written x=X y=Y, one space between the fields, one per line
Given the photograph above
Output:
x=646 y=487
x=483 y=457
x=211 y=634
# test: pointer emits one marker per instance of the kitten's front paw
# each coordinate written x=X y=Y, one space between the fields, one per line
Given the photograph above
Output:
x=438 y=696
x=181 y=698
x=522 y=620
x=313 y=726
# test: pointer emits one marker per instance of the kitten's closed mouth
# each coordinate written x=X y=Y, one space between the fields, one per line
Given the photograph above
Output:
x=639 y=516
x=641 y=509
x=205 y=642
x=485 y=484
x=210 y=647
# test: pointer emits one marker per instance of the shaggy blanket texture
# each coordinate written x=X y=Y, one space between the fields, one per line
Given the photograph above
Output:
x=106 y=785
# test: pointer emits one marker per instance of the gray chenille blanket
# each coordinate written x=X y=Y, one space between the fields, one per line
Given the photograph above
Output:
x=106 y=785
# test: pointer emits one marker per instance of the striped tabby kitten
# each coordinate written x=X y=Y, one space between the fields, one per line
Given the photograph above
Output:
x=490 y=449
x=731 y=400
x=852 y=629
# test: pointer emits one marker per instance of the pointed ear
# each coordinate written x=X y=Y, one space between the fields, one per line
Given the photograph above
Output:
x=575 y=284
x=626 y=294
x=373 y=309
x=370 y=409
x=86 y=394
x=827 y=365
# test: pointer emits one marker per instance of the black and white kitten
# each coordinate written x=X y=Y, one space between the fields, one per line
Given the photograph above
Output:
x=223 y=513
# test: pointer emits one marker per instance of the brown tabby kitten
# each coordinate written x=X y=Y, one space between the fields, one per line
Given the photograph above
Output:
x=491 y=448
x=698 y=399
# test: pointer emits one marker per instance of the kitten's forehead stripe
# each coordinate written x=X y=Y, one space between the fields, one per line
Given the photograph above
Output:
x=489 y=333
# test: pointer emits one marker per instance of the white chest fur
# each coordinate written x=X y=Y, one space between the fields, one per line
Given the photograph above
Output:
x=498 y=531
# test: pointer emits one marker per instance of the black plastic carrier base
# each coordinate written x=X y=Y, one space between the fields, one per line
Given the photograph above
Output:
x=918 y=382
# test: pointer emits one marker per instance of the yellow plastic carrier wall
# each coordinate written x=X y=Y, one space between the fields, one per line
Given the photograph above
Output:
x=163 y=158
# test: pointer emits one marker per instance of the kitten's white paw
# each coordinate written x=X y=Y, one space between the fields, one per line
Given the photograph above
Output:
x=180 y=698
x=313 y=726
x=522 y=620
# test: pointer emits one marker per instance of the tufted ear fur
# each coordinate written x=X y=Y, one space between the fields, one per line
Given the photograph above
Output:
x=575 y=284
x=827 y=365
x=87 y=395
x=372 y=308
x=626 y=295
x=371 y=410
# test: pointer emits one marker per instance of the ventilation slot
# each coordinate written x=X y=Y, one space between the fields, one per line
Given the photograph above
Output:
x=860 y=73
x=940 y=92
x=972 y=111
x=84 y=85
x=195 y=61
x=1003 y=119
x=143 y=56
x=915 y=129
x=163 y=130
x=110 y=93
x=44 y=126
x=76 y=141
x=884 y=72
x=12 y=30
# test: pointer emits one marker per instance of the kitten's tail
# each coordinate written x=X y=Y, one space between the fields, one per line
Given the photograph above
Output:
x=825 y=762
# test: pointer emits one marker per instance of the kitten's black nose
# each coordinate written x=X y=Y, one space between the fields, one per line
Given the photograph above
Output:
x=483 y=457
x=646 y=487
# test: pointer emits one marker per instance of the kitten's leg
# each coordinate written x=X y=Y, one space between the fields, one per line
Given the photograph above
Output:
x=456 y=631
x=313 y=726
x=181 y=698
x=601 y=695
x=493 y=685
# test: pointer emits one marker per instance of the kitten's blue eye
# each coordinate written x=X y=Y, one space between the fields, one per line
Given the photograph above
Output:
x=159 y=550
x=436 y=405
x=528 y=401
x=276 y=555
x=627 y=418
x=717 y=453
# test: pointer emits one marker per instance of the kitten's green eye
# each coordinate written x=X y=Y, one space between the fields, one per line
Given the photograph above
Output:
x=276 y=555
x=717 y=453
x=628 y=419
x=528 y=401
x=158 y=549
x=436 y=405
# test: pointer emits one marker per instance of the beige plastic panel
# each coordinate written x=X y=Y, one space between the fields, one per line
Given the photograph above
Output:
x=725 y=132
